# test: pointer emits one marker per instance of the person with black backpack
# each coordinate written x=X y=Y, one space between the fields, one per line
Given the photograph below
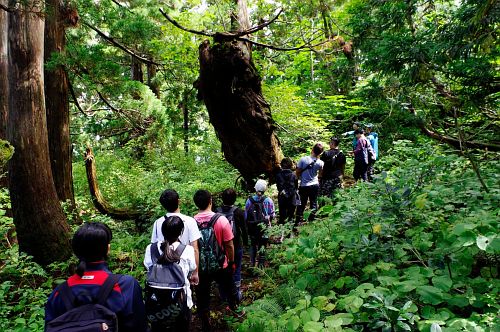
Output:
x=287 y=184
x=94 y=299
x=216 y=257
x=236 y=217
x=168 y=302
x=333 y=169
x=259 y=212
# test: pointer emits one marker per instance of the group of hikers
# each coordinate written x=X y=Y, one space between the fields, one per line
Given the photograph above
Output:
x=191 y=252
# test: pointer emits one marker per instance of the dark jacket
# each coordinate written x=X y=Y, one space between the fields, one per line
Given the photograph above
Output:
x=335 y=161
x=285 y=179
x=125 y=299
x=241 y=236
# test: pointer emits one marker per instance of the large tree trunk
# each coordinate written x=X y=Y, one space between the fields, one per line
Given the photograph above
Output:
x=41 y=226
x=57 y=103
x=4 y=83
x=230 y=86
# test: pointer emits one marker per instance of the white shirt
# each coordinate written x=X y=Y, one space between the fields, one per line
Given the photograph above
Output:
x=190 y=233
x=187 y=264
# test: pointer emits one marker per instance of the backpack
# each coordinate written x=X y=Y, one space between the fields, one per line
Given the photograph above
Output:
x=165 y=299
x=256 y=215
x=288 y=184
x=229 y=214
x=212 y=255
x=92 y=317
x=371 y=152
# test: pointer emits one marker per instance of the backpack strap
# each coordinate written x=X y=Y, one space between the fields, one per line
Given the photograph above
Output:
x=67 y=296
x=155 y=253
x=180 y=249
x=107 y=288
x=214 y=219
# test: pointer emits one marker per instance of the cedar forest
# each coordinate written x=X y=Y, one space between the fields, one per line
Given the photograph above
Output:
x=106 y=103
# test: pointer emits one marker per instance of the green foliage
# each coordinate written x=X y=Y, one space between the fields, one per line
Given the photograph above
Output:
x=6 y=152
x=415 y=250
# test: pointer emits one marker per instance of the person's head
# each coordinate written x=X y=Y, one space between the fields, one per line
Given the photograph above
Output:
x=202 y=199
x=260 y=187
x=359 y=132
x=229 y=196
x=91 y=244
x=317 y=149
x=368 y=128
x=286 y=163
x=356 y=125
x=169 y=199
x=334 y=143
x=171 y=229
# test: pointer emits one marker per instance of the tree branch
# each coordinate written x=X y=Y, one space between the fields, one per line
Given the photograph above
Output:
x=176 y=24
x=112 y=41
x=278 y=48
x=7 y=9
x=455 y=142
x=258 y=27
x=73 y=94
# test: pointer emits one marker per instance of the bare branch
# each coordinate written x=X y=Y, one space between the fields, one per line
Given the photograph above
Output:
x=258 y=27
x=73 y=94
x=278 y=48
x=176 y=24
x=112 y=41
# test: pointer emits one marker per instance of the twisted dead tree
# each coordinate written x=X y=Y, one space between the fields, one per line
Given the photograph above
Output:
x=100 y=203
x=230 y=87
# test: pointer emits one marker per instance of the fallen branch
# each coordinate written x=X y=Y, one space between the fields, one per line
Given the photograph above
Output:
x=456 y=143
x=99 y=201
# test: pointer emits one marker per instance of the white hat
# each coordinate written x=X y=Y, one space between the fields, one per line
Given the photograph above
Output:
x=261 y=185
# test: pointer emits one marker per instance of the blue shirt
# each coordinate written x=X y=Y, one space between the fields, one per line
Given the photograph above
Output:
x=310 y=167
x=373 y=138
x=268 y=206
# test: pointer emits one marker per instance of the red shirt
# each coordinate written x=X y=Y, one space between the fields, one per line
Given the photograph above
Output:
x=222 y=228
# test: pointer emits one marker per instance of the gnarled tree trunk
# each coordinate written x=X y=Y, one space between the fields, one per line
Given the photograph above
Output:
x=230 y=86
x=41 y=226
x=98 y=199
x=57 y=99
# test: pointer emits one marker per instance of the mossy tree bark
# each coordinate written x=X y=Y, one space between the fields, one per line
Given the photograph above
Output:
x=41 y=226
x=57 y=99
x=4 y=83
x=230 y=87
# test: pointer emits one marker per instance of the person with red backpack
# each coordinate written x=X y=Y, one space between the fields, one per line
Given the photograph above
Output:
x=259 y=212
x=236 y=217
x=94 y=299
x=216 y=262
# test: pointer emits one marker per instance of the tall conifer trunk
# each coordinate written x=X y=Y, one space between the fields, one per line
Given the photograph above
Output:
x=57 y=103
x=230 y=86
x=41 y=226
x=4 y=83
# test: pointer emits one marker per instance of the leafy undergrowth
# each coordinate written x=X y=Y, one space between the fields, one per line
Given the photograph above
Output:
x=417 y=249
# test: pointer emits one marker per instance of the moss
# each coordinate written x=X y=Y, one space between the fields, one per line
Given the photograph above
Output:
x=6 y=152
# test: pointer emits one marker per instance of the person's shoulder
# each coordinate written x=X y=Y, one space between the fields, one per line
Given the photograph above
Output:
x=126 y=280
x=320 y=162
x=161 y=219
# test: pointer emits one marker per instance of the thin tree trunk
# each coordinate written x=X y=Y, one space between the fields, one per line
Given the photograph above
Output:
x=57 y=104
x=153 y=85
x=41 y=226
x=230 y=86
x=136 y=70
x=4 y=83
x=185 y=127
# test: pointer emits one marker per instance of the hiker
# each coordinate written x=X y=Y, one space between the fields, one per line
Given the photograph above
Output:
x=333 y=169
x=169 y=199
x=259 y=212
x=216 y=256
x=355 y=126
x=236 y=217
x=307 y=170
x=114 y=301
x=361 y=156
x=288 y=198
x=373 y=139
x=168 y=295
